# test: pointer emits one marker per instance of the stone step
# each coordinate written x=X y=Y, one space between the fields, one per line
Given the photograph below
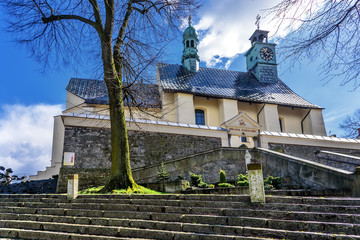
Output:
x=182 y=216
x=101 y=210
x=183 y=231
x=209 y=198
x=16 y=233
x=104 y=204
x=280 y=221
x=142 y=230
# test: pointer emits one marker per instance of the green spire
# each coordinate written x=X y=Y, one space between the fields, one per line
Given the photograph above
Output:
x=190 y=58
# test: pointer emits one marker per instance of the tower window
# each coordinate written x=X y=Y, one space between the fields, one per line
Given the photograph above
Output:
x=187 y=44
x=192 y=43
x=192 y=65
x=199 y=117
x=261 y=38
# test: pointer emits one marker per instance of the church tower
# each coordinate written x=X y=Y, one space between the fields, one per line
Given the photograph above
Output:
x=190 y=58
x=261 y=57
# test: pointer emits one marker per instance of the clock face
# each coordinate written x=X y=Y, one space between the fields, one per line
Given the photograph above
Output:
x=266 y=53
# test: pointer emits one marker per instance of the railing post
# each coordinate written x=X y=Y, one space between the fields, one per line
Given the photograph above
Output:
x=256 y=183
x=73 y=186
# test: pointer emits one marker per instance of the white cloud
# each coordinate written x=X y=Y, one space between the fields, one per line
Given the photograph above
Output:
x=225 y=28
x=26 y=136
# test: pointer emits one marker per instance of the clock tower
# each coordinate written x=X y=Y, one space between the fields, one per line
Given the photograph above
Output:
x=261 y=57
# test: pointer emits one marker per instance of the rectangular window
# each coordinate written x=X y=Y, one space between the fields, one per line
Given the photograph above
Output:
x=243 y=139
x=199 y=117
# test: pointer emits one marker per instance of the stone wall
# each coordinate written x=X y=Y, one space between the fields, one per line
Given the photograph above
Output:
x=92 y=146
x=308 y=174
x=208 y=164
x=309 y=153
x=92 y=151
x=338 y=160
x=298 y=173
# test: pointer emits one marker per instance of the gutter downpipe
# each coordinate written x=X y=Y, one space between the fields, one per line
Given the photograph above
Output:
x=302 y=121
x=257 y=116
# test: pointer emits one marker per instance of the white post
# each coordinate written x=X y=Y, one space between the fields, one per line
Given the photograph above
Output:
x=256 y=183
x=73 y=186
x=247 y=159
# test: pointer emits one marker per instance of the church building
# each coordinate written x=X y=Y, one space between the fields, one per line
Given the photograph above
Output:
x=192 y=109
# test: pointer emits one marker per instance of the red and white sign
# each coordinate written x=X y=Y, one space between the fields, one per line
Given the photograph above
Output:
x=69 y=158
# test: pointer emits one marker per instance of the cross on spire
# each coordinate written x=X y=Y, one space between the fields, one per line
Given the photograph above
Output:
x=257 y=22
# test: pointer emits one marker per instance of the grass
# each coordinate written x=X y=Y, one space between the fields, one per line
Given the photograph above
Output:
x=140 y=190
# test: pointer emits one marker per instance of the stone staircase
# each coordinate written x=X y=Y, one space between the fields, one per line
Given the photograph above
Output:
x=208 y=217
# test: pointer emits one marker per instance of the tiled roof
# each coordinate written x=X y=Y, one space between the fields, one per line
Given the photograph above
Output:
x=95 y=92
x=221 y=83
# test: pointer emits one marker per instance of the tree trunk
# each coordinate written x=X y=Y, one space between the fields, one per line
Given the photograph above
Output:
x=120 y=175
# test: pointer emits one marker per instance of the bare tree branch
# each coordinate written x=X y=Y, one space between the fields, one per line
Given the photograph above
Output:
x=327 y=29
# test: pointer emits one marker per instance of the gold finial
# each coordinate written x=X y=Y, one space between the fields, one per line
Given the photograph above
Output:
x=257 y=22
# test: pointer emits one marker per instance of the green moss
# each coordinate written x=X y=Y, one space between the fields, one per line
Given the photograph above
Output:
x=137 y=190
x=226 y=185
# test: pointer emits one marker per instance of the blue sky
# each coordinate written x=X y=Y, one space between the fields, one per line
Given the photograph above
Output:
x=29 y=98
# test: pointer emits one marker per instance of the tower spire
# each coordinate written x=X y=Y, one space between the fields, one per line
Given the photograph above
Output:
x=190 y=58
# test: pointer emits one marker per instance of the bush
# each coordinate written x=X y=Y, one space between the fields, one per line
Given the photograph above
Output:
x=6 y=178
x=226 y=185
x=243 y=180
x=222 y=177
x=273 y=182
x=163 y=176
x=197 y=181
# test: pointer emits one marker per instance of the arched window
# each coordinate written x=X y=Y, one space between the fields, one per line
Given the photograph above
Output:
x=261 y=38
x=192 y=43
x=187 y=44
x=199 y=117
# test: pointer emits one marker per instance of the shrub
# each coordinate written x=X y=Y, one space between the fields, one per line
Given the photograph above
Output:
x=6 y=178
x=222 y=177
x=197 y=181
x=243 y=180
x=273 y=182
x=163 y=176
x=226 y=185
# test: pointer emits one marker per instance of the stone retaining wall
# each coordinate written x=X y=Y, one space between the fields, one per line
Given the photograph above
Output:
x=309 y=153
x=338 y=160
x=92 y=151
x=92 y=146
x=308 y=174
